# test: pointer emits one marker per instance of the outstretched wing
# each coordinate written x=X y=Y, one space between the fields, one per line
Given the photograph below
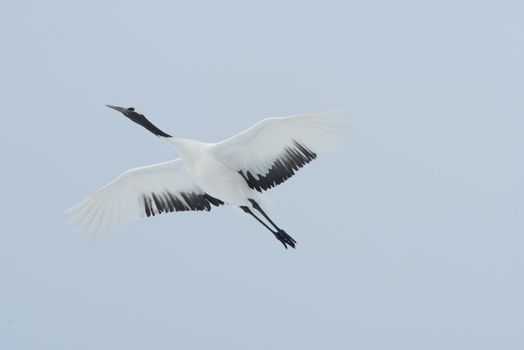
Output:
x=141 y=192
x=272 y=150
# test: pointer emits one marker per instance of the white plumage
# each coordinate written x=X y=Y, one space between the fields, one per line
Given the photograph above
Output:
x=234 y=171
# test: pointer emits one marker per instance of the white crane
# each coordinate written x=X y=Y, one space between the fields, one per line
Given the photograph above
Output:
x=235 y=171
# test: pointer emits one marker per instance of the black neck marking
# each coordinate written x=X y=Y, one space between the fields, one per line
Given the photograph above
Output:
x=140 y=119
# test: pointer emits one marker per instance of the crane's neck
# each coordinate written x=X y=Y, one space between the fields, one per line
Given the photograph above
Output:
x=185 y=147
x=141 y=120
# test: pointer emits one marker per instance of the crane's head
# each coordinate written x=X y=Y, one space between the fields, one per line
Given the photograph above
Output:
x=139 y=119
x=128 y=112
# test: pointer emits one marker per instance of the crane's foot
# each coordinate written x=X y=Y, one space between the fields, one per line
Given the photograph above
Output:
x=285 y=239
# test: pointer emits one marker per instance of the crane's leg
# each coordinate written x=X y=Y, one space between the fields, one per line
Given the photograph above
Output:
x=280 y=234
x=257 y=207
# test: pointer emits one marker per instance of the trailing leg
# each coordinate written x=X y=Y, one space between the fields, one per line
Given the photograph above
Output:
x=281 y=235
x=257 y=207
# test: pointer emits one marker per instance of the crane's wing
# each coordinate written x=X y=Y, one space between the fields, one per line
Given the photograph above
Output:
x=272 y=150
x=142 y=192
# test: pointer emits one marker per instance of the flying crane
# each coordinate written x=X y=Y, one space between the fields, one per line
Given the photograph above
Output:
x=235 y=171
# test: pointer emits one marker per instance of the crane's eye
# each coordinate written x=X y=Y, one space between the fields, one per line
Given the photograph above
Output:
x=131 y=109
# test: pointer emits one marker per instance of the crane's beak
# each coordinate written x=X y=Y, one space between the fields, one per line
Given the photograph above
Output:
x=120 y=109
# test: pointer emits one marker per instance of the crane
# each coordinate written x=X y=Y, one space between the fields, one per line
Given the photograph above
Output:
x=235 y=171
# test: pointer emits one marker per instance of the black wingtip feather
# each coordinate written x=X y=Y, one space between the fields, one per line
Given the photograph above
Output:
x=292 y=158
x=166 y=202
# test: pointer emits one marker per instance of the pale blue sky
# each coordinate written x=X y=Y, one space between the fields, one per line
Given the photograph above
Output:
x=410 y=238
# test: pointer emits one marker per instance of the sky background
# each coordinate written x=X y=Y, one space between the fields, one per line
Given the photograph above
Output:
x=411 y=237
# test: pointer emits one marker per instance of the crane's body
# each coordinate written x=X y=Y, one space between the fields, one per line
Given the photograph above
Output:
x=210 y=174
x=235 y=171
